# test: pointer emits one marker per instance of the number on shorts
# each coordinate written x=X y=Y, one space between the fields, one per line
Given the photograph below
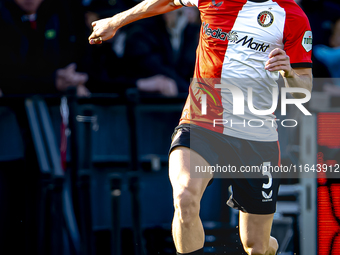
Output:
x=266 y=172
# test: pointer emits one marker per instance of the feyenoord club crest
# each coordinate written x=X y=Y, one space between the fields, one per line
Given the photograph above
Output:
x=265 y=19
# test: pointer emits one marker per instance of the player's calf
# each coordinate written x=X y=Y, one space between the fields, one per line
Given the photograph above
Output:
x=187 y=227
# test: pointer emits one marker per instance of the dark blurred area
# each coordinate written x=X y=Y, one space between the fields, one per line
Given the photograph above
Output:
x=324 y=16
x=85 y=130
x=44 y=47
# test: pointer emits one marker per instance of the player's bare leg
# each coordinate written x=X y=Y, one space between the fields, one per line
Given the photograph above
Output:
x=187 y=229
x=255 y=234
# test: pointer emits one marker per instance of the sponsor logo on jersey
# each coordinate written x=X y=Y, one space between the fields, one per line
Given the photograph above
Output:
x=251 y=44
x=265 y=19
x=219 y=34
x=307 y=41
x=232 y=37
x=214 y=33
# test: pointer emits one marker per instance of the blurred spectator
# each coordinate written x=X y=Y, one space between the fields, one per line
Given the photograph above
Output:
x=330 y=56
x=190 y=36
x=41 y=51
x=104 y=63
x=322 y=14
x=164 y=47
x=108 y=70
x=45 y=42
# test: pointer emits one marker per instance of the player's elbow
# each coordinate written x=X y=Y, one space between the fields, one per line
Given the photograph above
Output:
x=303 y=95
x=309 y=83
x=306 y=83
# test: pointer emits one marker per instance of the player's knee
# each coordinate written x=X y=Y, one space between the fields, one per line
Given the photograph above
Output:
x=255 y=249
x=259 y=247
x=186 y=206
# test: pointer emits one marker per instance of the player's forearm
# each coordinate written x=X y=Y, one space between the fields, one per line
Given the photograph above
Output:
x=146 y=9
x=295 y=80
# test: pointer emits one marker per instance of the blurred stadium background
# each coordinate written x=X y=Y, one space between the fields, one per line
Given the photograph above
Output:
x=88 y=175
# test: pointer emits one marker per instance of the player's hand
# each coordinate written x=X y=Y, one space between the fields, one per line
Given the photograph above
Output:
x=168 y=87
x=103 y=30
x=82 y=91
x=66 y=77
x=279 y=60
x=158 y=83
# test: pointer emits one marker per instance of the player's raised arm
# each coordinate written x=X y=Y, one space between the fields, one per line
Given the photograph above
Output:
x=105 y=29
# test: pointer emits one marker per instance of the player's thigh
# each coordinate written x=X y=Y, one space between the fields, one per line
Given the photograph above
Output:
x=255 y=229
x=182 y=163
